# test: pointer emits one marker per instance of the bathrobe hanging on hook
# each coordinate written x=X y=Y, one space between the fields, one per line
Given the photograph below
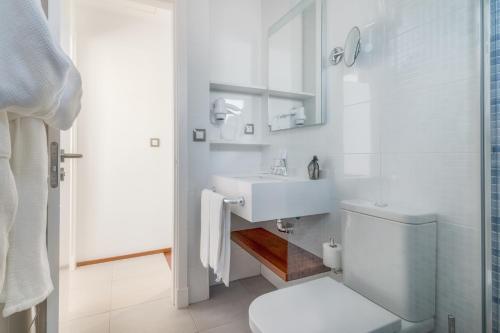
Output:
x=39 y=86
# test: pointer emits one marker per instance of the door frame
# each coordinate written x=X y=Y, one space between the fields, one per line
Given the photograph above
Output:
x=181 y=135
x=487 y=286
x=180 y=230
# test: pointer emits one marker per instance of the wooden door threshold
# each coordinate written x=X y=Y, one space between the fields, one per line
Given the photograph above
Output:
x=127 y=256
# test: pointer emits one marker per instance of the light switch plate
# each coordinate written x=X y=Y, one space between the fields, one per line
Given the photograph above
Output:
x=154 y=142
x=199 y=135
x=249 y=129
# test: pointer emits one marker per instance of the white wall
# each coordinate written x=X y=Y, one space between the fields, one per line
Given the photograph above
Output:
x=235 y=41
x=403 y=126
x=198 y=79
x=206 y=20
x=124 y=50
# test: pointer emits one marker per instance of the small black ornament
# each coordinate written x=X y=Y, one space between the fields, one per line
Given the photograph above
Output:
x=313 y=168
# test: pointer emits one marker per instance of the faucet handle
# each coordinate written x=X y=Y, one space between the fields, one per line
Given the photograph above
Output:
x=279 y=167
x=284 y=154
x=277 y=162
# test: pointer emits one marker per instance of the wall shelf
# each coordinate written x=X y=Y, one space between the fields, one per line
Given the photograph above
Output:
x=259 y=90
x=237 y=88
x=237 y=143
x=298 y=95
x=285 y=259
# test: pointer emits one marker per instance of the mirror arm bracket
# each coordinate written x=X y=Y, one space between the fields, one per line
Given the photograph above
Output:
x=336 y=56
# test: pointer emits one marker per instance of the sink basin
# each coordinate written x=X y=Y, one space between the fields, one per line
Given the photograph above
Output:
x=262 y=178
x=270 y=197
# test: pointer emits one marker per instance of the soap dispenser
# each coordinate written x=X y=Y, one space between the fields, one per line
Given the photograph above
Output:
x=313 y=168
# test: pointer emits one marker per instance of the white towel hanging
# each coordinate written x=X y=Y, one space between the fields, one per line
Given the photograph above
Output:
x=215 y=242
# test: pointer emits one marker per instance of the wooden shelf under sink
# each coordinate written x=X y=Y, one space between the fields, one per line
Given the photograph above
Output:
x=285 y=259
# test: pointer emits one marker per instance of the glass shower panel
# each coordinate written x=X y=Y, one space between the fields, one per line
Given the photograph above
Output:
x=495 y=161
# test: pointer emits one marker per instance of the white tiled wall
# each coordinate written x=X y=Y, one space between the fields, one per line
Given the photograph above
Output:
x=403 y=125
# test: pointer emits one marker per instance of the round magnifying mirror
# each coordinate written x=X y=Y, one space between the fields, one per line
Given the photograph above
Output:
x=352 y=46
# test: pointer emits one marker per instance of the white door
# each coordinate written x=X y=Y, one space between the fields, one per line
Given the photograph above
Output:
x=59 y=146
x=51 y=321
x=59 y=231
x=53 y=216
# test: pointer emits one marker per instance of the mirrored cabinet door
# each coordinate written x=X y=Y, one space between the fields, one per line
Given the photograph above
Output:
x=295 y=75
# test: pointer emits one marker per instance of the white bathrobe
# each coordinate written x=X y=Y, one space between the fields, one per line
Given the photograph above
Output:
x=39 y=84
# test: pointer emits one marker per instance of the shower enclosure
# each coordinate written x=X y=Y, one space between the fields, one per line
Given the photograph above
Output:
x=491 y=109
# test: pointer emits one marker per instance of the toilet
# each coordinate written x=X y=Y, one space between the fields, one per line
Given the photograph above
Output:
x=389 y=281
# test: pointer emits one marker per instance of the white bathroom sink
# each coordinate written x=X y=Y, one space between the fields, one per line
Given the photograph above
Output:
x=262 y=178
x=269 y=197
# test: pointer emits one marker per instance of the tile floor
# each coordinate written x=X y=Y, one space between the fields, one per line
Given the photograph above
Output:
x=134 y=296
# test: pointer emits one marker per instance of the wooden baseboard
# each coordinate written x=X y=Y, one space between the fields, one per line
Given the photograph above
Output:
x=168 y=256
x=127 y=256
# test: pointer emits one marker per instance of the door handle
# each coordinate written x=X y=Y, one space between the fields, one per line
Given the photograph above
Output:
x=69 y=155
x=54 y=165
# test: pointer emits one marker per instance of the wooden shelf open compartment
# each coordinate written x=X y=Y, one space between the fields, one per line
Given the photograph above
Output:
x=285 y=259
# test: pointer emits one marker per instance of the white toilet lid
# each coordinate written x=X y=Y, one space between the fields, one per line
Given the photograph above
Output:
x=319 y=306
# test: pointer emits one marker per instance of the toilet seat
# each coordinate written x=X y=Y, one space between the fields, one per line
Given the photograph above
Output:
x=319 y=306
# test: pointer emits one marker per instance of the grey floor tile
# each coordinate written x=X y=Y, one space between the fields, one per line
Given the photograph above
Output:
x=238 y=325
x=224 y=305
x=152 y=317
x=257 y=285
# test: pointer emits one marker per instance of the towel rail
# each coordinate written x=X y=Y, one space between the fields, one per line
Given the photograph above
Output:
x=235 y=201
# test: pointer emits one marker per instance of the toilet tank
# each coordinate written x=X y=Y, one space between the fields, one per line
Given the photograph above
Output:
x=389 y=257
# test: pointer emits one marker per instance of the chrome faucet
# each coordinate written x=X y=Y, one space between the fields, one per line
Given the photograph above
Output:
x=280 y=167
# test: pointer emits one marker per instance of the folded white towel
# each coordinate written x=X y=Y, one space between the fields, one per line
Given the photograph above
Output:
x=42 y=85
